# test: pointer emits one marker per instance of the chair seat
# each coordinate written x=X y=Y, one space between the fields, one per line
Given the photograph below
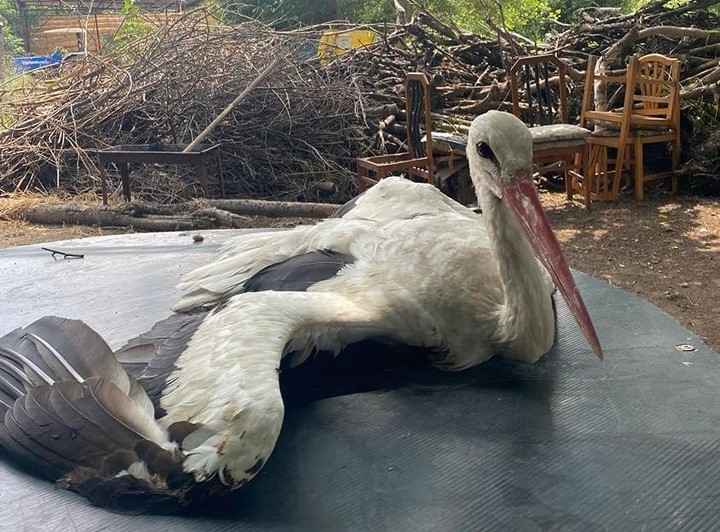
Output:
x=560 y=144
x=648 y=124
x=452 y=140
x=634 y=132
x=544 y=137
x=559 y=133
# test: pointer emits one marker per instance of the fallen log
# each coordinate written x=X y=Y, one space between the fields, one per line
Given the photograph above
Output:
x=274 y=209
x=244 y=207
x=80 y=214
x=210 y=214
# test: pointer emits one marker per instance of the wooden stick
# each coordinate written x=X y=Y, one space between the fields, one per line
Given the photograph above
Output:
x=198 y=140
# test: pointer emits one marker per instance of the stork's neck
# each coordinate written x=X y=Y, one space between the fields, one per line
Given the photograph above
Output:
x=526 y=311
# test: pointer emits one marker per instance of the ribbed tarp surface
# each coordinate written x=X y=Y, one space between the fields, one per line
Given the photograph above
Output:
x=379 y=441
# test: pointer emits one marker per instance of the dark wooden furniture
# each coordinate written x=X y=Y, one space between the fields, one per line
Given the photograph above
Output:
x=417 y=162
x=539 y=86
x=128 y=154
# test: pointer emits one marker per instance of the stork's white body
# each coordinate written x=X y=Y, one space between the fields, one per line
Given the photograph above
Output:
x=425 y=274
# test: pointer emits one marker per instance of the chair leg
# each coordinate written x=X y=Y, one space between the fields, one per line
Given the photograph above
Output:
x=639 y=171
x=364 y=179
x=617 y=175
x=579 y=177
x=675 y=164
x=570 y=179
x=568 y=188
x=599 y=185
x=361 y=173
x=591 y=171
x=582 y=166
x=629 y=162
x=604 y=187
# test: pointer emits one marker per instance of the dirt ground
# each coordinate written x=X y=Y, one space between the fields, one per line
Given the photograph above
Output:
x=664 y=249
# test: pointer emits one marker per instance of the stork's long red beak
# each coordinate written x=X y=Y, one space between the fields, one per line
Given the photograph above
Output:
x=520 y=196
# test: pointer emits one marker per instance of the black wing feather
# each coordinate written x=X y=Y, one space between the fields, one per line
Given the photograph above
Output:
x=74 y=340
x=35 y=464
x=298 y=273
x=54 y=464
x=71 y=413
x=151 y=356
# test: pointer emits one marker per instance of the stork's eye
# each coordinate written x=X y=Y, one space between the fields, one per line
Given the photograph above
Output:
x=484 y=150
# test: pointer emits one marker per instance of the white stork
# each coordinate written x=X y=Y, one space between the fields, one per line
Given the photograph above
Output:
x=403 y=263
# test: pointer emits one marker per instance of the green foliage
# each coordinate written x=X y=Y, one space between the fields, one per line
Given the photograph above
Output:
x=282 y=13
x=532 y=18
x=526 y=16
x=567 y=8
x=134 y=25
x=12 y=42
x=367 y=12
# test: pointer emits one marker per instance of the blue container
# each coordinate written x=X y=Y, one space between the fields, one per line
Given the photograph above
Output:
x=25 y=64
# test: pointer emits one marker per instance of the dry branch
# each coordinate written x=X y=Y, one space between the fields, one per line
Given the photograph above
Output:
x=228 y=109
x=296 y=131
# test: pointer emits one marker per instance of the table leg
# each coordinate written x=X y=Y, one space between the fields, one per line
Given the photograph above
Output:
x=220 y=175
x=202 y=169
x=103 y=184
x=125 y=174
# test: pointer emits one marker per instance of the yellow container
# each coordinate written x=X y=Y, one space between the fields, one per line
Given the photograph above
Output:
x=334 y=43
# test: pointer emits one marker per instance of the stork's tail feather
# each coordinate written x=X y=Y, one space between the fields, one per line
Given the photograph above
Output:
x=71 y=413
x=127 y=481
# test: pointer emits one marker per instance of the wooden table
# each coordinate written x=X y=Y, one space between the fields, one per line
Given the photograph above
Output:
x=126 y=154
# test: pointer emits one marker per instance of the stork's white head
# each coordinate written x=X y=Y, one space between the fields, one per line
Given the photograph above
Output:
x=500 y=154
x=499 y=148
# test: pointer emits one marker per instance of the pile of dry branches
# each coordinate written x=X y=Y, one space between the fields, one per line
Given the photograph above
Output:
x=298 y=130
x=302 y=128
x=469 y=73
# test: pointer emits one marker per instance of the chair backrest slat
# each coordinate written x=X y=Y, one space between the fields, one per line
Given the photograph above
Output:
x=538 y=86
x=658 y=85
x=418 y=112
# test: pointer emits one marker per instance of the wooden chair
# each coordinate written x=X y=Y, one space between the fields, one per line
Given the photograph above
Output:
x=657 y=79
x=417 y=162
x=650 y=113
x=539 y=85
